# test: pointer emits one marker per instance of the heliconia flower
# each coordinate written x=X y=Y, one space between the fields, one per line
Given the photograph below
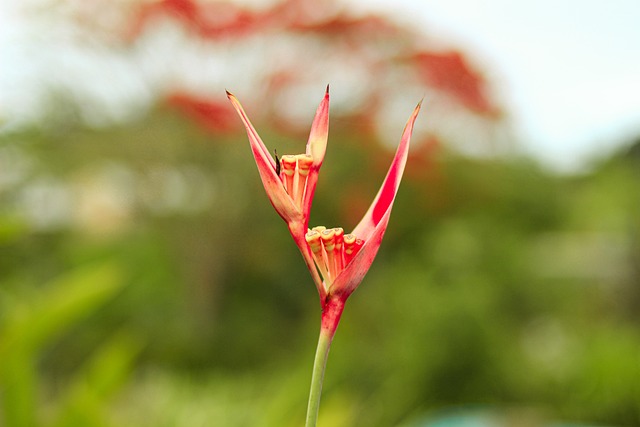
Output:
x=337 y=261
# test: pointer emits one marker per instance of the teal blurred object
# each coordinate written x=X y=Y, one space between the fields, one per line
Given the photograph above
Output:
x=461 y=420
x=489 y=418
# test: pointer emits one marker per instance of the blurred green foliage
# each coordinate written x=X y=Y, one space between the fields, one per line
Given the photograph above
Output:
x=146 y=281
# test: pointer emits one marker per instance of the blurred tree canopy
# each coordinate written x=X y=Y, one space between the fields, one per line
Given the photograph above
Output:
x=145 y=280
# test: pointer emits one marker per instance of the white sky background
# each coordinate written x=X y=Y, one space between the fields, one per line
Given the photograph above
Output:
x=568 y=70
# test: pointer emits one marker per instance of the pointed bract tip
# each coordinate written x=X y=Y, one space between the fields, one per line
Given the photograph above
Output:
x=229 y=94
x=327 y=92
x=417 y=106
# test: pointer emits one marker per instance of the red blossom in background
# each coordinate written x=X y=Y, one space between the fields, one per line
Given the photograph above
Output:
x=450 y=73
x=286 y=49
x=209 y=20
x=377 y=54
x=211 y=115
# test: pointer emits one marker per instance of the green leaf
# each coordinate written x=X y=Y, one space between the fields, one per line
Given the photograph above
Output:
x=31 y=324
x=97 y=381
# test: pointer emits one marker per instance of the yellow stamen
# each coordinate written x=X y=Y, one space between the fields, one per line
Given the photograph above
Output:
x=332 y=250
x=351 y=247
x=304 y=167
x=338 y=251
x=328 y=241
x=289 y=169
x=349 y=240
x=315 y=244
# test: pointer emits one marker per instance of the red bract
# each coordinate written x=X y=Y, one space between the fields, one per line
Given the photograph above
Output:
x=337 y=261
x=374 y=223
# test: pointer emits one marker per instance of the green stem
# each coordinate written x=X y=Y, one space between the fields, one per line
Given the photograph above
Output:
x=319 y=365
x=331 y=313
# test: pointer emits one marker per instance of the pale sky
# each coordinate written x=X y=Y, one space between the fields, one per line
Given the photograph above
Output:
x=569 y=70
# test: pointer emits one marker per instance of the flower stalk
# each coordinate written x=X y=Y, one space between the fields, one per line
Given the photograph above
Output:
x=330 y=319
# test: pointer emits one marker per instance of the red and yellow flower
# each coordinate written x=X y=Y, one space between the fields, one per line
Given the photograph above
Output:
x=337 y=261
